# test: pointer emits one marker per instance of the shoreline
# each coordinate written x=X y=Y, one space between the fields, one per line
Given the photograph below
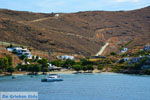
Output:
x=54 y=72
x=68 y=72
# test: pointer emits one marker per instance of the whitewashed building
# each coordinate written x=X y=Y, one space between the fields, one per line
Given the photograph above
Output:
x=124 y=50
x=65 y=57
x=146 y=48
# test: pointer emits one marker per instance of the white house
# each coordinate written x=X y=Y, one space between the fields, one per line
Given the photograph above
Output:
x=29 y=56
x=135 y=59
x=65 y=57
x=14 y=48
x=20 y=51
x=126 y=59
x=146 y=48
x=27 y=52
x=124 y=50
x=10 y=49
x=53 y=67
x=56 y=15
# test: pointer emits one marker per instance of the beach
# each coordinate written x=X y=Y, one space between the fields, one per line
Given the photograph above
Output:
x=55 y=72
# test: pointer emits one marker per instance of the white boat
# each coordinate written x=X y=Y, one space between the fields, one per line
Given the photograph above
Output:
x=52 y=78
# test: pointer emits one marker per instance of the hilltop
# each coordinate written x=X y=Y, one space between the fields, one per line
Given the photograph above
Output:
x=82 y=33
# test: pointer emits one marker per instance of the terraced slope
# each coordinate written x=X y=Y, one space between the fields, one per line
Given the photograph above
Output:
x=78 y=33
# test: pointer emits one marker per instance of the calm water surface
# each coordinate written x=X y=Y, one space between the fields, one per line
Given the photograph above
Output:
x=105 y=86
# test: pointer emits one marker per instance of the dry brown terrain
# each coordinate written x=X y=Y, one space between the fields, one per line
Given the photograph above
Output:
x=4 y=53
x=76 y=33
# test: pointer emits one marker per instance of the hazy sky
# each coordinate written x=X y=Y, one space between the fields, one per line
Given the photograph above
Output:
x=72 y=5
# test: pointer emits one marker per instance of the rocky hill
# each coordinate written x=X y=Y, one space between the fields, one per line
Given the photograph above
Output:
x=76 y=33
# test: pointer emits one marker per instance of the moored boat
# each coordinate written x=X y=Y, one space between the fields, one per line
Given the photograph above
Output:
x=52 y=78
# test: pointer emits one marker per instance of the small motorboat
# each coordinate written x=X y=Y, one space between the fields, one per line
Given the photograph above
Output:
x=13 y=77
x=52 y=78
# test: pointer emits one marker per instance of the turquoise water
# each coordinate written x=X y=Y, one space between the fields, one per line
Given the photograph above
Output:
x=105 y=86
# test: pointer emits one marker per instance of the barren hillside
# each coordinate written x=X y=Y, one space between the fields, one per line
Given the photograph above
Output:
x=78 y=33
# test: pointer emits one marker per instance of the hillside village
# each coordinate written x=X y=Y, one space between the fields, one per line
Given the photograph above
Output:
x=125 y=61
x=22 y=52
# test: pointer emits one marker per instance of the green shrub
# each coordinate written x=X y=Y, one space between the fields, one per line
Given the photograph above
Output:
x=20 y=67
x=1 y=71
x=10 y=70
x=4 y=63
x=23 y=57
x=100 y=67
x=68 y=63
x=85 y=62
x=58 y=63
x=147 y=71
x=77 y=67
x=34 y=68
x=90 y=67
x=113 y=53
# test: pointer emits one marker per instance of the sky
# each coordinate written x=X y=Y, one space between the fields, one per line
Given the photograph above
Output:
x=48 y=6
